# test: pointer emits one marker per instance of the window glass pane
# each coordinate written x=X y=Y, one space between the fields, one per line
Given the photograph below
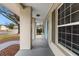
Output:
x=75 y=39
x=68 y=37
x=75 y=49
x=67 y=19
x=75 y=17
x=68 y=29
x=58 y=22
x=59 y=29
x=76 y=29
x=62 y=42
x=62 y=15
x=59 y=37
x=62 y=8
x=74 y=7
x=62 y=29
x=67 y=5
x=68 y=45
x=63 y=36
x=67 y=11
x=62 y=21
x=58 y=16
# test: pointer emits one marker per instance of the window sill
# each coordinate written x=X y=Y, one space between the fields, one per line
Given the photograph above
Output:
x=66 y=50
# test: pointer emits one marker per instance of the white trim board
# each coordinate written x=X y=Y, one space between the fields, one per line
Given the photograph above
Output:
x=70 y=24
x=56 y=50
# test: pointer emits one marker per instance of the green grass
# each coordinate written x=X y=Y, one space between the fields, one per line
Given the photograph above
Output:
x=9 y=37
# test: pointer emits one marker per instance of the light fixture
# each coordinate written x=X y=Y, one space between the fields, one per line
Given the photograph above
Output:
x=38 y=15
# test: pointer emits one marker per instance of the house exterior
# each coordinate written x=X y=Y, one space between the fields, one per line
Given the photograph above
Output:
x=4 y=28
x=61 y=42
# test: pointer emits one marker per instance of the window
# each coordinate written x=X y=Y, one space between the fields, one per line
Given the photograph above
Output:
x=68 y=26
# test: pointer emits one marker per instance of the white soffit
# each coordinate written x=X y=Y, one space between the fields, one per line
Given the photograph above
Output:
x=39 y=8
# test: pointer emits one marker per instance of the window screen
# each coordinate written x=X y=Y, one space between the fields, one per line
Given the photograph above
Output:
x=68 y=27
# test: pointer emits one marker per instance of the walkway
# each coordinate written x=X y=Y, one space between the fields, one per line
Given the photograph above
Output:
x=40 y=48
x=9 y=43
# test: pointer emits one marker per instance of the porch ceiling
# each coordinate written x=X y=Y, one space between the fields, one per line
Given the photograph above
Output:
x=39 y=8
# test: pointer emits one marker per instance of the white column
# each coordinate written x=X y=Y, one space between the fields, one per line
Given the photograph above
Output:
x=25 y=28
x=33 y=28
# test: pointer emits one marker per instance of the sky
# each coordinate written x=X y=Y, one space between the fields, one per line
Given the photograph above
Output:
x=4 y=20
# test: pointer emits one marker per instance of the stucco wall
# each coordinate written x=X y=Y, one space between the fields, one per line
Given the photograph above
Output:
x=56 y=48
x=52 y=45
x=25 y=28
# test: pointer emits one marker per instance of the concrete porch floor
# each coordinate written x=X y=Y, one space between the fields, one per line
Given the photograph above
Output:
x=39 y=48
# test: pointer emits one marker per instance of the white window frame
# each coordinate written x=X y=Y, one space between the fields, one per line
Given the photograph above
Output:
x=56 y=36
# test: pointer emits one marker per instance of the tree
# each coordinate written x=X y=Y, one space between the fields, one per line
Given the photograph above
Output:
x=10 y=26
x=0 y=26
